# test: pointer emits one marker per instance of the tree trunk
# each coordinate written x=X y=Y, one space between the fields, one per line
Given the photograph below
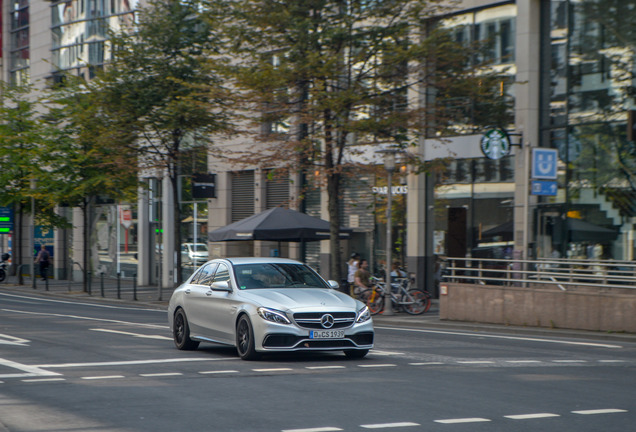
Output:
x=176 y=223
x=333 y=195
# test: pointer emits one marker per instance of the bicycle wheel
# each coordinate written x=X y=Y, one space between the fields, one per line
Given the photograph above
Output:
x=373 y=299
x=416 y=302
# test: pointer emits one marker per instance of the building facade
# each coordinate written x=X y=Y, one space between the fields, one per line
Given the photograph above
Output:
x=571 y=70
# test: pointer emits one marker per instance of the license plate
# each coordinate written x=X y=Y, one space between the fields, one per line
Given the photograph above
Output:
x=326 y=334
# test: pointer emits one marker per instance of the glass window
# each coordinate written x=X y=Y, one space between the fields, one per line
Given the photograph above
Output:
x=222 y=274
x=204 y=275
x=270 y=275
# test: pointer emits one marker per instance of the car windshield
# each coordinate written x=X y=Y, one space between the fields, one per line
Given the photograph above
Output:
x=200 y=247
x=270 y=275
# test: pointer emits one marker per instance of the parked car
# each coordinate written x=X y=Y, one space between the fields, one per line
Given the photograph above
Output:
x=191 y=252
x=264 y=305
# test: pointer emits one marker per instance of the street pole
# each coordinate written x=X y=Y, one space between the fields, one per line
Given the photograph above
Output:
x=389 y=164
x=32 y=233
x=388 y=307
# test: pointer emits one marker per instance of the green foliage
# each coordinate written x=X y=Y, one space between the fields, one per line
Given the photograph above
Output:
x=345 y=69
x=20 y=144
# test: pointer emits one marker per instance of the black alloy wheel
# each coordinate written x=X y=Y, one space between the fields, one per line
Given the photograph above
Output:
x=181 y=332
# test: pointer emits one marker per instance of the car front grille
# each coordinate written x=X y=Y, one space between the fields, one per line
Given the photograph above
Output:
x=297 y=343
x=312 y=320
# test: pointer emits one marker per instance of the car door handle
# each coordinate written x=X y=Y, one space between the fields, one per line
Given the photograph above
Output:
x=208 y=293
x=187 y=291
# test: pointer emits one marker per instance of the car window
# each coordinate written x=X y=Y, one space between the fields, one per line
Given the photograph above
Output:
x=269 y=275
x=222 y=274
x=204 y=275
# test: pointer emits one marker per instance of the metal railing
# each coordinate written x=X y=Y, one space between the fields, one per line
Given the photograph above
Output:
x=561 y=272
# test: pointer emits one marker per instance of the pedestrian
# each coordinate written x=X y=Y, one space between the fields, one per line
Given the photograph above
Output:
x=362 y=278
x=42 y=259
x=396 y=271
x=352 y=267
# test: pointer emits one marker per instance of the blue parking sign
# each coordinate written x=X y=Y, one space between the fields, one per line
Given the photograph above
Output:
x=544 y=163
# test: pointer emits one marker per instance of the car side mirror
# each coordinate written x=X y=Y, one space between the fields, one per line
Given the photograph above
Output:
x=333 y=284
x=221 y=286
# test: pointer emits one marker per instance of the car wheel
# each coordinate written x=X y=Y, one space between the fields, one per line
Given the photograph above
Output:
x=245 y=339
x=181 y=332
x=356 y=354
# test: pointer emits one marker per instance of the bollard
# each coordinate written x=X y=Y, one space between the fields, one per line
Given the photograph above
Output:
x=135 y=286
x=101 y=281
x=46 y=284
x=119 y=285
x=90 y=279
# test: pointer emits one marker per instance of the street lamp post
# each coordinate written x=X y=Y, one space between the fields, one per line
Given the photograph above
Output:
x=32 y=245
x=389 y=165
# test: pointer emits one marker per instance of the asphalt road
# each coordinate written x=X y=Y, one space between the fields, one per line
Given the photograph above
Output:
x=74 y=364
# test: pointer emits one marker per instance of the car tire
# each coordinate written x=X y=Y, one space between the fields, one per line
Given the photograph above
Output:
x=181 y=332
x=356 y=354
x=245 y=339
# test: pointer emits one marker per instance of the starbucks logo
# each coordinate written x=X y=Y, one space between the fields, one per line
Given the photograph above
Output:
x=495 y=144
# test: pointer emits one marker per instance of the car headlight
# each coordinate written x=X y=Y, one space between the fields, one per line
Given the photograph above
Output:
x=363 y=315
x=273 y=315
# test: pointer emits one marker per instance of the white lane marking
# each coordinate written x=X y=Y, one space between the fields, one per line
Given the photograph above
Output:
x=128 y=363
x=377 y=365
x=492 y=336
x=165 y=374
x=386 y=353
x=12 y=340
x=43 y=380
x=569 y=361
x=600 y=411
x=218 y=372
x=611 y=361
x=29 y=371
x=317 y=429
x=531 y=416
x=324 y=367
x=522 y=361
x=475 y=362
x=137 y=335
x=78 y=317
x=389 y=425
x=82 y=303
x=463 y=420
x=273 y=370
x=104 y=377
x=426 y=364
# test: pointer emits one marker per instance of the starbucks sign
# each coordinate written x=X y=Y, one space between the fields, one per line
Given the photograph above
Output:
x=495 y=144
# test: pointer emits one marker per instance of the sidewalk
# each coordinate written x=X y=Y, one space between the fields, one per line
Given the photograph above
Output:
x=154 y=297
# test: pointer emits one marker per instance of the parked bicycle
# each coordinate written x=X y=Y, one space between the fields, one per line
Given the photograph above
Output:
x=3 y=266
x=403 y=297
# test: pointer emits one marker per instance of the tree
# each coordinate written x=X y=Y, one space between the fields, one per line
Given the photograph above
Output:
x=82 y=163
x=161 y=94
x=340 y=73
x=21 y=155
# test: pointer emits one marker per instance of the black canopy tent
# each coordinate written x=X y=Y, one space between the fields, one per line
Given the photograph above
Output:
x=577 y=231
x=277 y=224
x=581 y=231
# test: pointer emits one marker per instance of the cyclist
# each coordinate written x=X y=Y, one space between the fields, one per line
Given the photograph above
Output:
x=362 y=277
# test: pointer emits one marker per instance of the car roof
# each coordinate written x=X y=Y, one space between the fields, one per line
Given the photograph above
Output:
x=261 y=260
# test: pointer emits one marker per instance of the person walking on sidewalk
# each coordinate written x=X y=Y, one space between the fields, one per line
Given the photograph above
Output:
x=42 y=259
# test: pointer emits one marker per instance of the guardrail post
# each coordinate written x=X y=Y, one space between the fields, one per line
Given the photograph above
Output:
x=119 y=285
x=135 y=286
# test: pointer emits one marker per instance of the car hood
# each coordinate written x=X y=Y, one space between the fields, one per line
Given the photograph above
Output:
x=298 y=299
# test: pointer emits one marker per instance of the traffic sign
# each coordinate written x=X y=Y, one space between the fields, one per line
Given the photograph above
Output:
x=544 y=163
x=6 y=220
x=542 y=187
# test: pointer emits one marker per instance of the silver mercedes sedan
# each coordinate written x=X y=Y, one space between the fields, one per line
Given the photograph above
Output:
x=265 y=305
